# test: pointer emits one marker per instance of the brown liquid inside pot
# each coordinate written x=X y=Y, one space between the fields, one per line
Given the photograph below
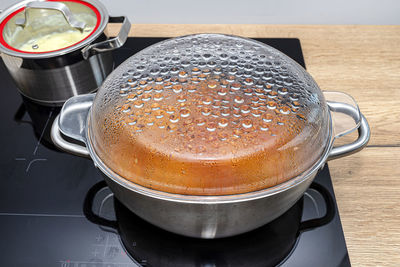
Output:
x=207 y=136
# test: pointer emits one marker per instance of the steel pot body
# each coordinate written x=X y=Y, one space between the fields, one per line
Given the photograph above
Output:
x=50 y=78
x=209 y=220
x=208 y=216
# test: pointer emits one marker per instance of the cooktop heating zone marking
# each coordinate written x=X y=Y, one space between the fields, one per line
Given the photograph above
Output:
x=33 y=160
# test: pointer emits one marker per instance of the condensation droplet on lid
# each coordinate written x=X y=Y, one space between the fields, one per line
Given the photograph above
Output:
x=271 y=105
x=132 y=122
x=245 y=109
x=181 y=98
x=267 y=117
x=225 y=112
x=159 y=114
x=183 y=74
x=247 y=123
x=138 y=104
x=248 y=81
x=170 y=110
x=272 y=94
x=222 y=91
x=236 y=113
x=200 y=121
x=207 y=100
x=211 y=126
x=158 y=97
x=212 y=84
x=146 y=97
x=177 y=88
x=284 y=110
x=264 y=127
x=206 y=111
x=173 y=118
x=223 y=122
x=155 y=106
x=256 y=113
x=184 y=113
x=235 y=86
x=239 y=99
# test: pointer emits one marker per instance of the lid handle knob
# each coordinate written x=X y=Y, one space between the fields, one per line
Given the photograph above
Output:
x=69 y=17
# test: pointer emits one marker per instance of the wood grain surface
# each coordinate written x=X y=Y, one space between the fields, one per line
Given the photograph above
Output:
x=363 y=61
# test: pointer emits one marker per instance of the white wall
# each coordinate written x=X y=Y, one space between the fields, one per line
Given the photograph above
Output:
x=255 y=11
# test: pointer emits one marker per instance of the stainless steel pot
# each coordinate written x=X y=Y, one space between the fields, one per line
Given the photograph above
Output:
x=51 y=77
x=324 y=116
x=205 y=216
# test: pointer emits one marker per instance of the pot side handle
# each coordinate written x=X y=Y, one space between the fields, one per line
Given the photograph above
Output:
x=346 y=117
x=112 y=43
x=71 y=122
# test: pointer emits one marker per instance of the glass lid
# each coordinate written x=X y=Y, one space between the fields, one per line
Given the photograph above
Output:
x=39 y=27
x=209 y=114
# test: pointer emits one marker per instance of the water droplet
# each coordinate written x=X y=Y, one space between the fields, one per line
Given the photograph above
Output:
x=248 y=81
x=35 y=46
x=173 y=118
x=206 y=100
x=158 y=97
x=284 y=110
x=256 y=113
x=182 y=74
x=159 y=114
x=239 y=99
x=245 y=109
x=155 y=106
x=184 y=113
x=271 y=105
x=272 y=94
x=177 y=88
x=211 y=126
x=138 y=104
x=212 y=84
x=206 y=111
x=264 y=126
x=235 y=86
x=247 y=123
x=146 y=97
x=267 y=117
x=223 y=122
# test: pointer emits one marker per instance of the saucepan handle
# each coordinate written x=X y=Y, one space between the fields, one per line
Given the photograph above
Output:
x=346 y=118
x=69 y=17
x=112 y=43
x=71 y=122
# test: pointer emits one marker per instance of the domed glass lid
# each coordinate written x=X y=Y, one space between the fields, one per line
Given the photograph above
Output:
x=209 y=114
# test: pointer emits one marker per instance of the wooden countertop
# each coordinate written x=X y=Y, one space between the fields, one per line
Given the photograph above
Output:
x=363 y=61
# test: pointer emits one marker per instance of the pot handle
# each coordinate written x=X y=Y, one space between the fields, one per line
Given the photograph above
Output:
x=112 y=43
x=88 y=207
x=346 y=117
x=69 y=17
x=330 y=210
x=71 y=122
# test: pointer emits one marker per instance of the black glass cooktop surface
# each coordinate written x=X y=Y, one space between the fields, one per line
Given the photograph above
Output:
x=56 y=211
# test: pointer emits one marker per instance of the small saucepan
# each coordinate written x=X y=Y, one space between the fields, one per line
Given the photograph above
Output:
x=57 y=49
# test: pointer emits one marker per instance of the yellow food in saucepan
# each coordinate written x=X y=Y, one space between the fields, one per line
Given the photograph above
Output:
x=54 y=41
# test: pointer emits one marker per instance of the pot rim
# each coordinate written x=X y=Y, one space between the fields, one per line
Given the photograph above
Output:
x=206 y=199
x=103 y=14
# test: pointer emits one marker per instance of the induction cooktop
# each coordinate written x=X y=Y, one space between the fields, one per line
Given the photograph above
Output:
x=55 y=209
